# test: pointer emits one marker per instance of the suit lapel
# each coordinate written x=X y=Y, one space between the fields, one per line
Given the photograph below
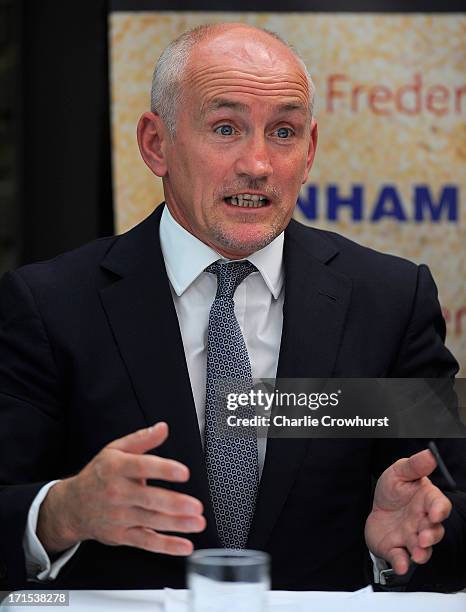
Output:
x=314 y=311
x=141 y=313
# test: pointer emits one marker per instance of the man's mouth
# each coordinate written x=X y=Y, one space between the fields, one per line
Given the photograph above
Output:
x=247 y=200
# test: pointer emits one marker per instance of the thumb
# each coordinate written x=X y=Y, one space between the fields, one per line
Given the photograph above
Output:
x=415 y=467
x=142 y=440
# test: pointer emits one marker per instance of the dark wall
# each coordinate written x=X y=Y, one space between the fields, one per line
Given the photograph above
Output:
x=66 y=177
x=9 y=136
x=320 y=6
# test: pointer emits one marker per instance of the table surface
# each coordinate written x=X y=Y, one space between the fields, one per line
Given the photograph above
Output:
x=169 y=600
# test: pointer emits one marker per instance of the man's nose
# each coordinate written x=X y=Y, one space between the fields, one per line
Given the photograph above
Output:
x=254 y=159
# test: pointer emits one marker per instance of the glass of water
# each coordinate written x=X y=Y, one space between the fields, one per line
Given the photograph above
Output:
x=221 y=578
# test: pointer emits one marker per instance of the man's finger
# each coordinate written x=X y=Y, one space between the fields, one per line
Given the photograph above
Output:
x=431 y=536
x=167 y=522
x=156 y=542
x=422 y=541
x=142 y=440
x=152 y=467
x=421 y=555
x=415 y=467
x=399 y=560
x=438 y=506
x=163 y=500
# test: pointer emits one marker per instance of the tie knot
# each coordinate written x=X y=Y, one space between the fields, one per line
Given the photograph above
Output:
x=230 y=275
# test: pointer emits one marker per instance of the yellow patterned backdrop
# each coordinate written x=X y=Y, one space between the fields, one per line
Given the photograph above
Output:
x=391 y=105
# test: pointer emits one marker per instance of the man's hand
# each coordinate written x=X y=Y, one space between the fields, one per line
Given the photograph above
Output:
x=407 y=513
x=109 y=500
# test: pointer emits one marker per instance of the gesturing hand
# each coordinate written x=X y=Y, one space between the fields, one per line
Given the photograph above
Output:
x=407 y=513
x=109 y=500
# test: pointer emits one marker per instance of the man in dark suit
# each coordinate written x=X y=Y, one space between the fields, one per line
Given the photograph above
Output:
x=99 y=344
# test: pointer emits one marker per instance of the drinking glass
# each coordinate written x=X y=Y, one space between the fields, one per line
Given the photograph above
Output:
x=222 y=579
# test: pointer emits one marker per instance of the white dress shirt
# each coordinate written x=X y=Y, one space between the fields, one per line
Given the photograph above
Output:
x=261 y=295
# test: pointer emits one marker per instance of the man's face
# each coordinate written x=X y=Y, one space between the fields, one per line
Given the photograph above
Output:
x=244 y=142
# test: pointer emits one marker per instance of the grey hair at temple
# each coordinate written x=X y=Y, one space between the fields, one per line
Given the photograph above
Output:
x=166 y=92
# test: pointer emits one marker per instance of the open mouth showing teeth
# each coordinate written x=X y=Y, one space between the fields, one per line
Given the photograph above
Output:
x=247 y=200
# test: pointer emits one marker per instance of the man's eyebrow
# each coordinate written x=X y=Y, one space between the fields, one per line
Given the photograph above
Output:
x=220 y=103
x=293 y=106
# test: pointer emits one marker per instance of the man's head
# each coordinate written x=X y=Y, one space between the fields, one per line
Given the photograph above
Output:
x=231 y=116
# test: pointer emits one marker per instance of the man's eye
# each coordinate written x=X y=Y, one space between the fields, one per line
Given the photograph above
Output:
x=284 y=132
x=225 y=130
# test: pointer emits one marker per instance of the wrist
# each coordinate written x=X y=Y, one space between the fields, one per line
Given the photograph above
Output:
x=55 y=525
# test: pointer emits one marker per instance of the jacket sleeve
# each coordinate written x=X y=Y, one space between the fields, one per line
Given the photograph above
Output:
x=31 y=420
x=422 y=354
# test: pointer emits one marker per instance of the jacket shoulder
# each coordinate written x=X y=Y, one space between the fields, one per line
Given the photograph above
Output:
x=352 y=258
x=67 y=269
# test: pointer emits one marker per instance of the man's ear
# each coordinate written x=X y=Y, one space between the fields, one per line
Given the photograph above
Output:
x=152 y=139
x=312 y=149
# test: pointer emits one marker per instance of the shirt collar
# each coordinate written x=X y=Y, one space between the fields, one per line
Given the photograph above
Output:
x=186 y=257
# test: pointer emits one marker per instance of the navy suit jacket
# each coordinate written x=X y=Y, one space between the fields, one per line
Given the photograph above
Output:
x=90 y=350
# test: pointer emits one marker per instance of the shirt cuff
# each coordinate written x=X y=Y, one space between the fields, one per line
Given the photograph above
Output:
x=38 y=564
x=378 y=565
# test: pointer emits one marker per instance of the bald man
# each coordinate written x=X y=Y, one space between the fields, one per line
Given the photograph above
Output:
x=107 y=456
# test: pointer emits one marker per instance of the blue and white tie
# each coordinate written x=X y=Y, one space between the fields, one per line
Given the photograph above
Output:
x=231 y=460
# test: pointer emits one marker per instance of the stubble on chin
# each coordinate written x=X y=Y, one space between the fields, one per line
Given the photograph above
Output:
x=230 y=241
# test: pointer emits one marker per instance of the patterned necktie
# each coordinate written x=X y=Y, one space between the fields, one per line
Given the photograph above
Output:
x=231 y=460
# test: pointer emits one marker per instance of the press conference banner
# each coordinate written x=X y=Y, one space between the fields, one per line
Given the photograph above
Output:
x=391 y=105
